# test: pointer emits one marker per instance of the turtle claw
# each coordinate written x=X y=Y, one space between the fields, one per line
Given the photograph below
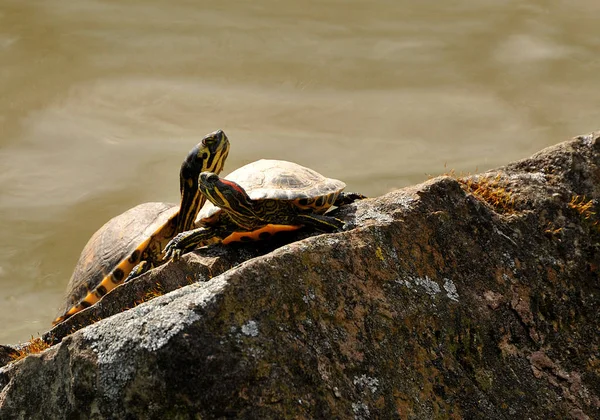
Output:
x=173 y=254
x=172 y=250
x=137 y=271
x=187 y=241
x=347 y=226
x=176 y=254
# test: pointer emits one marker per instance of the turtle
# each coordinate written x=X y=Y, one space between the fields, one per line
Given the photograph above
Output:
x=260 y=199
x=132 y=242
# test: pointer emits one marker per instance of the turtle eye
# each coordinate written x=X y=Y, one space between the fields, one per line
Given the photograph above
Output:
x=208 y=177
x=218 y=135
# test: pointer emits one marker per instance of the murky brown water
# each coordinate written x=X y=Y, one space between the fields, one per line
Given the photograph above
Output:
x=101 y=100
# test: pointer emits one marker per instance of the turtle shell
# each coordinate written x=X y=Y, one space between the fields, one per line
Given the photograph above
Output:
x=282 y=180
x=125 y=236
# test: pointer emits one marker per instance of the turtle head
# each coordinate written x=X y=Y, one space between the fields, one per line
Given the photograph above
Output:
x=208 y=155
x=224 y=193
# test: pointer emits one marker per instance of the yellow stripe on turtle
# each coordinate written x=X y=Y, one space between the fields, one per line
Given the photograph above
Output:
x=108 y=283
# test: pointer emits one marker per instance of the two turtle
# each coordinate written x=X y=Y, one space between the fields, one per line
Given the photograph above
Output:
x=133 y=242
x=251 y=203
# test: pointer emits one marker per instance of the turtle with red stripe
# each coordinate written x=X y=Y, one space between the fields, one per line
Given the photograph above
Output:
x=133 y=242
x=260 y=199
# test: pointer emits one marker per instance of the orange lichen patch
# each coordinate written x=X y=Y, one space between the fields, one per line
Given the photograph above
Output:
x=552 y=230
x=36 y=345
x=492 y=190
x=151 y=294
x=451 y=173
x=582 y=206
x=154 y=292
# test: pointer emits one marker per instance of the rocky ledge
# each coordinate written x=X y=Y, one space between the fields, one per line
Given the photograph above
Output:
x=462 y=297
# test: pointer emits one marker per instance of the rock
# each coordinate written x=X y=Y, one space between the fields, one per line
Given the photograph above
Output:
x=7 y=354
x=472 y=297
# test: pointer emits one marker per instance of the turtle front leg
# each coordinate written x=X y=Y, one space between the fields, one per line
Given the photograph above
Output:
x=138 y=270
x=189 y=240
x=348 y=198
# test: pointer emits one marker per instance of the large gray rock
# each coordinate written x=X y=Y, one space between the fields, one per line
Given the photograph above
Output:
x=469 y=298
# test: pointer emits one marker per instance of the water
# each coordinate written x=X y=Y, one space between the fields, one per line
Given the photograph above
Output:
x=101 y=100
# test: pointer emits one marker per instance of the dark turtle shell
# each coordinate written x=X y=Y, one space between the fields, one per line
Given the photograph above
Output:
x=118 y=245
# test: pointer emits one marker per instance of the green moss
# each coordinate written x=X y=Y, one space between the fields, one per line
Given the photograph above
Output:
x=484 y=379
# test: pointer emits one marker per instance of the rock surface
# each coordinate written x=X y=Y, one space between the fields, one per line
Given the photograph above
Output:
x=473 y=297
